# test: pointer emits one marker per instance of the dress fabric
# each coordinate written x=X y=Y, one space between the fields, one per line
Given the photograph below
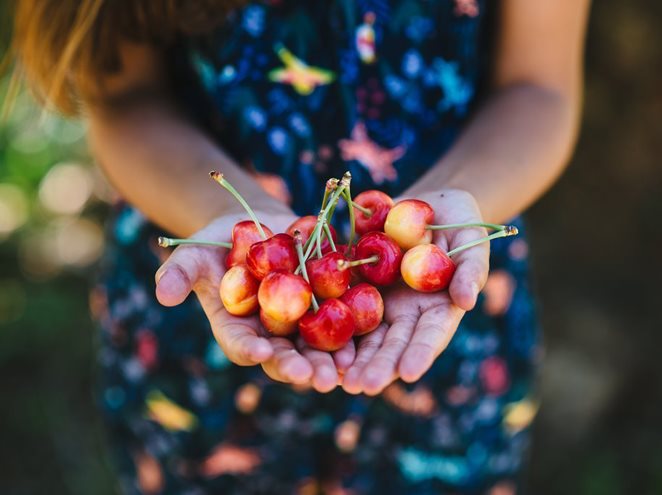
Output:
x=302 y=91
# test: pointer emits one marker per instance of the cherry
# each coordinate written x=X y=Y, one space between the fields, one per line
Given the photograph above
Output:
x=426 y=268
x=407 y=221
x=380 y=258
x=326 y=279
x=276 y=253
x=350 y=254
x=367 y=306
x=330 y=328
x=283 y=297
x=275 y=327
x=238 y=291
x=306 y=226
x=244 y=235
x=373 y=208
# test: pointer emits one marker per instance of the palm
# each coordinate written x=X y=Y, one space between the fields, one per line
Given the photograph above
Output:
x=243 y=340
x=418 y=326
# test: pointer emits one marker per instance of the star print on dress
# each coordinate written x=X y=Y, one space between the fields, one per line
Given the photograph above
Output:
x=302 y=77
x=377 y=160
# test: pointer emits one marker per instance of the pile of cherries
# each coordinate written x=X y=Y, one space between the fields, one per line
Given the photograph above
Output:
x=304 y=280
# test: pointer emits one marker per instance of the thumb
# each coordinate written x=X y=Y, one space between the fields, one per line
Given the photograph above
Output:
x=178 y=275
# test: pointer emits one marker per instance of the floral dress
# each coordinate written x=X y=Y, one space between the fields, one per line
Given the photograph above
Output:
x=300 y=91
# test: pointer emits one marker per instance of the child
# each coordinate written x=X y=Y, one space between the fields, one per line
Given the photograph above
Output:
x=466 y=104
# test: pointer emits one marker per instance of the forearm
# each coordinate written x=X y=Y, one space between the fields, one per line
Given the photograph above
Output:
x=515 y=147
x=160 y=163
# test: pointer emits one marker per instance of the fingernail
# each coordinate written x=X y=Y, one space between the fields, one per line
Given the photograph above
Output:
x=159 y=274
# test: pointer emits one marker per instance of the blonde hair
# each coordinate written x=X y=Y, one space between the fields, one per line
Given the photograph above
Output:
x=61 y=47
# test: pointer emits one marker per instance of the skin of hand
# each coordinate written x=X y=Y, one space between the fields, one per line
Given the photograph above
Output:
x=244 y=341
x=419 y=326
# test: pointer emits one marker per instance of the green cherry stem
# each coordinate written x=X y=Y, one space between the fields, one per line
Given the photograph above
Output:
x=352 y=221
x=345 y=265
x=506 y=232
x=302 y=265
x=449 y=226
x=367 y=212
x=327 y=231
x=331 y=186
x=312 y=240
x=168 y=242
x=218 y=177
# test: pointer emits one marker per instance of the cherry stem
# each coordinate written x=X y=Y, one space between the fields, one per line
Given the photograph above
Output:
x=327 y=231
x=367 y=212
x=218 y=177
x=312 y=240
x=506 y=232
x=493 y=226
x=318 y=242
x=352 y=220
x=331 y=186
x=345 y=265
x=302 y=264
x=168 y=242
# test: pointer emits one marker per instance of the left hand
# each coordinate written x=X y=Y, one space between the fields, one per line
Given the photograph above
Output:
x=418 y=326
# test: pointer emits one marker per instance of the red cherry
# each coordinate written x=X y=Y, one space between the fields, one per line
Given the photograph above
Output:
x=426 y=268
x=355 y=277
x=325 y=278
x=244 y=235
x=276 y=253
x=284 y=297
x=407 y=221
x=386 y=269
x=366 y=305
x=238 y=291
x=330 y=328
x=379 y=205
x=306 y=225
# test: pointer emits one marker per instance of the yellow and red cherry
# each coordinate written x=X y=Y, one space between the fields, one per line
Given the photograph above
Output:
x=373 y=207
x=306 y=226
x=238 y=291
x=244 y=235
x=329 y=328
x=274 y=254
x=275 y=327
x=326 y=279
x=407 y=223
x=378 y=258
x=427 y=268
x=367 y=307
x=284 y=297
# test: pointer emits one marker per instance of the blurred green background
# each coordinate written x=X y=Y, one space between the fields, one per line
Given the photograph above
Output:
x=595 y=251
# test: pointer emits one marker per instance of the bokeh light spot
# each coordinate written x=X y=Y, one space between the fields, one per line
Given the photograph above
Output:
x=66 y=188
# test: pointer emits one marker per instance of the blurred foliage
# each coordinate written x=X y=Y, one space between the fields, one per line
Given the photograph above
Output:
x=594 y=249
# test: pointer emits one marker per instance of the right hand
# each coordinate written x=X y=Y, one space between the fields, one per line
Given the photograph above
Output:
x=243 y=339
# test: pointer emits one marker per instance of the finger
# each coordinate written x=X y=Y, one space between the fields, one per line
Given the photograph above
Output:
x=382 y=368
x=472 y=268
x=238 y=337
x=433 y=332
x=177 y=277
x=367 y=348
x=345 y=357
x=287 y=365
x=325 y=375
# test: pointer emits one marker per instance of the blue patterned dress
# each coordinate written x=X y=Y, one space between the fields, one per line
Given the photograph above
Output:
x=301 y=91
